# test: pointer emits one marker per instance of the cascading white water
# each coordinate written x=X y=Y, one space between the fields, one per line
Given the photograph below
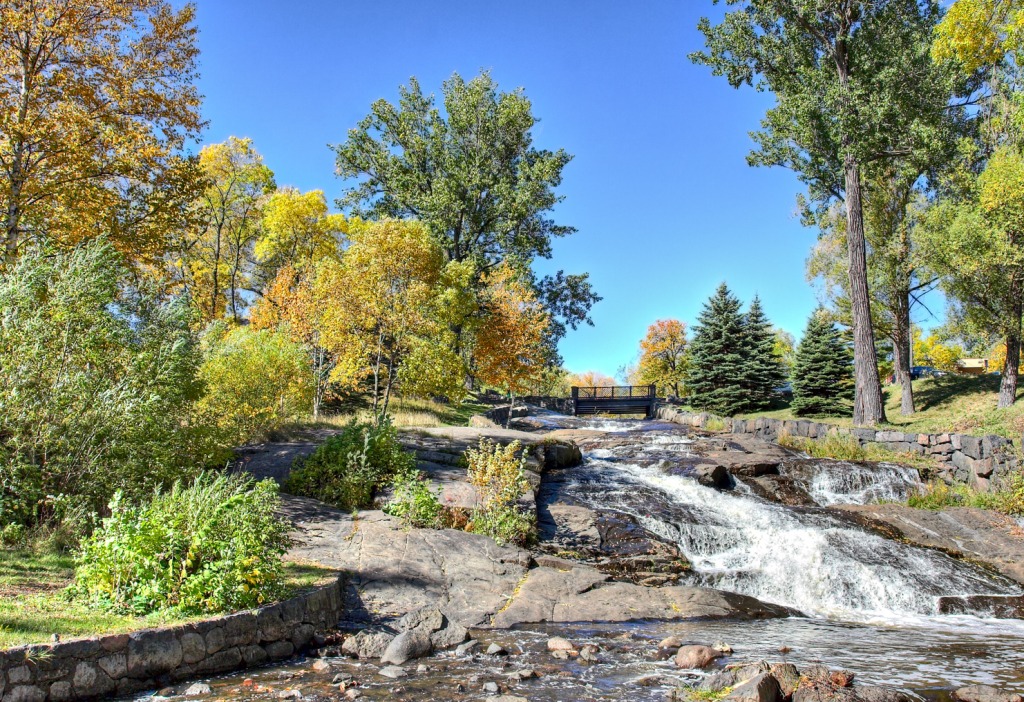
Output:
x=807 y=559
x=845 y=483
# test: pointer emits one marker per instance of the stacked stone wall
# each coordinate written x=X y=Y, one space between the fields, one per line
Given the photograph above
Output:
x=126 y=664
x=985 y=463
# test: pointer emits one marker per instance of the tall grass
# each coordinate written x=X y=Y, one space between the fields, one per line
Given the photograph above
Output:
x=844 y=447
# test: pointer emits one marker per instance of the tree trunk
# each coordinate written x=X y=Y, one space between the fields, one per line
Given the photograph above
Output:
x=901 y=347
x=1008 y=385
x=869 y=409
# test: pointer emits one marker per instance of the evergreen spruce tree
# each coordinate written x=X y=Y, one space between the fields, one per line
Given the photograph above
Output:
x=763 y=373
x=823 y=370
x=718 y=356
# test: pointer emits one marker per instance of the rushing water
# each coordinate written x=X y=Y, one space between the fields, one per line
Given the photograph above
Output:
x=805 y=558
x=869 y=604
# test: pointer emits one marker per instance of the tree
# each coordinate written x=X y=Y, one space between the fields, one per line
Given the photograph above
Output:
x=785 y=348
x=386 y=311
x=510 y=350
x=663 y=356
x=591 y=379
x=854 y=84
x=935 y=351
x=472 y=176
x=297 y=230
x=97 y=99
x=215 y=264
x=718 y=356
x=763 y=371
x=823 y=373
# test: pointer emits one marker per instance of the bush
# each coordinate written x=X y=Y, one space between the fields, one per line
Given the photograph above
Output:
x=255 y=382
x=99 y=384
x=414 y=501
x=210 y=546
x=347 y=470
x=497 y=474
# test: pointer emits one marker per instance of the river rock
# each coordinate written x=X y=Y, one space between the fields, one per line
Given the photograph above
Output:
x=761 y=688
x=197 y=689
x=584 y=594
x=963 y=532
x=670 y=642
x=788 y=677
x=780 y=488
x=696 y=657
x=496 y=650
x=557 y=643
x=368 y=643
x=733 y=675
x=393 y=671
x=406 y=646
x=984 y=693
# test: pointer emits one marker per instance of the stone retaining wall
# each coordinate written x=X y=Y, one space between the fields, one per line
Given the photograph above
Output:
x=124 y=664
x=985 y=463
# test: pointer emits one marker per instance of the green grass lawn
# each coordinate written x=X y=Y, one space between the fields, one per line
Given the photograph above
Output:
x=34 y=606
x=952 y=403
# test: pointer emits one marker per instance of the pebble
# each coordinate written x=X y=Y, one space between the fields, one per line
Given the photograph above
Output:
x=723 y=647
x=496 y=650
x=289 y=695
x=670 y=642
x=422 y=669
x=491 y=687
x=393 y=671
x=342 y=678
x=197 y=689
x=321 y=666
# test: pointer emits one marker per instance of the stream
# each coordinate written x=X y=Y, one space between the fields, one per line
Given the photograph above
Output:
x=868 y=604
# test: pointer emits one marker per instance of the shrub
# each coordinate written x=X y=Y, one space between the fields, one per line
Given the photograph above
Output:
x=255 y=382
x=497 y=474
x=414 y=501
x=939 y=495
x=348 y=469
x=210 y=546
x=99 y=384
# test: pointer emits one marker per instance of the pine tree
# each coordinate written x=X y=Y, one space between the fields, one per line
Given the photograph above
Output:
x=823 y=371
x=718 y=356
x=763 y=372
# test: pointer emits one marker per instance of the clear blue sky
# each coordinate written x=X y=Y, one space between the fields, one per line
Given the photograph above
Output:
x=665 y=204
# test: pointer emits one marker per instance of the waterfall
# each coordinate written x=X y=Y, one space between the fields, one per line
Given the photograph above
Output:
x=805 y=558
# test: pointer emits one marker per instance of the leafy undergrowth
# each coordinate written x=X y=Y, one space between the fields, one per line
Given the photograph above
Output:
x=847 y=448
x=953 y=403
x=35 y=604
x=938 y=495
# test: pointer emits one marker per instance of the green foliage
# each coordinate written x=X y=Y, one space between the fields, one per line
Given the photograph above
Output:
x=209 y=546
x=497 y=474
x=99 y=385
x=472 y=175
x=718 y=356
x=763 y=371
x=823 y=371
x=255 y=382
x=844 y=447
x=939 y=495
x=347 y=470
x=414 y=501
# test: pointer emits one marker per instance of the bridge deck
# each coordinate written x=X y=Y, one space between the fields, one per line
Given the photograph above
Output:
x=623 y=399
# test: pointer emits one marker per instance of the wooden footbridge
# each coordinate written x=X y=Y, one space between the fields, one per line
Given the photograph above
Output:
x=619 y=399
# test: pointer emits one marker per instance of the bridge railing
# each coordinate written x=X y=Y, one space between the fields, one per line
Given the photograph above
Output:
x=645 y=392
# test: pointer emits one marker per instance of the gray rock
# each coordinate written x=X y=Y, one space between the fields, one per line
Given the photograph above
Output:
x=557 y=643
x=193 y=647
x=985 y=693
x=463 y=649
x=496 y=650
x=491 y=687
x=253 y=655
x=279 y=649
x=153 y=652
x=228 y=659
x=405 y=647
x=368 y=643
x=426 y=619
x=197 y=689
x=452 y=635
x=696 y=657
x=61 y=691
x=20 y=675
x=788 y=678
x=25 y=693
x=393 y=671
x=215 y=640
x=90 y=681
x=761 y=688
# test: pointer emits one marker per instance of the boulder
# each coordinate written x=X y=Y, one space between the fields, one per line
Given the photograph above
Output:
x=878 y=693
x=985 y=693
x=368 y=643
x=788 y=678
x=761 y=688
x=696 y=657
x=557 y=643
x=406 y=646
